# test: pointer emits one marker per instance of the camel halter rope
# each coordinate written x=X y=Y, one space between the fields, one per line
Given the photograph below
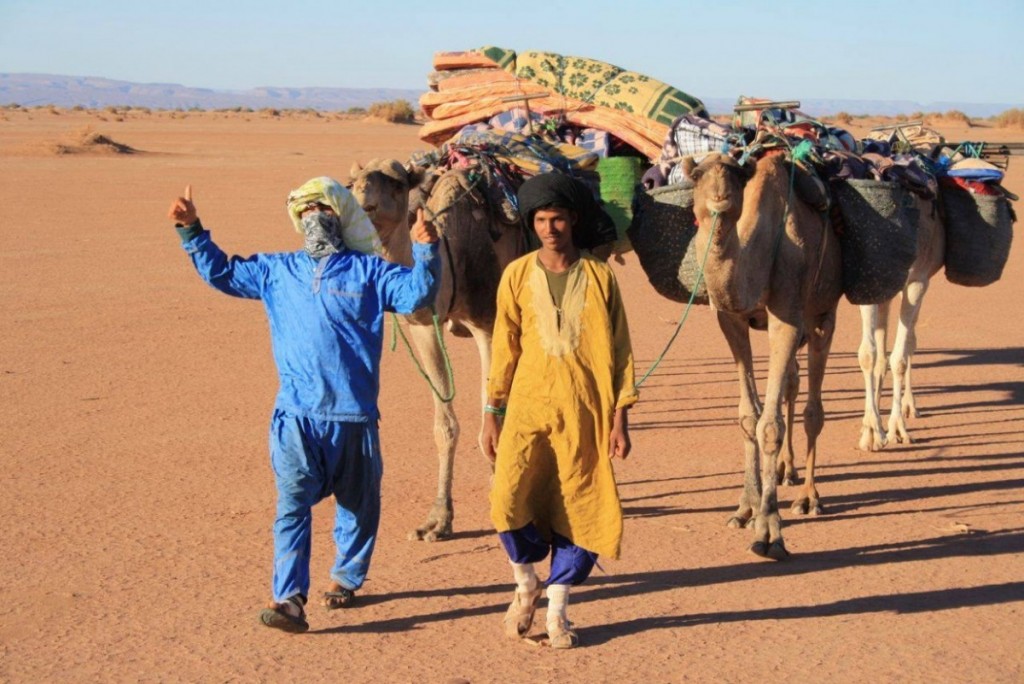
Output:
x=689 y=304
x=396 y=331
x=396 y=328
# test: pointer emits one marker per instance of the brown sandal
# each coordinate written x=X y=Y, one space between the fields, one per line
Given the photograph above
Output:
x=278 y=617
x=519 y=616
x=562 y=635
x=337 y=597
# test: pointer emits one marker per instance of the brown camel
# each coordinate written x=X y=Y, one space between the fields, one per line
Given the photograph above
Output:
x=475 y=250
x=768 y=251
x=931 y=244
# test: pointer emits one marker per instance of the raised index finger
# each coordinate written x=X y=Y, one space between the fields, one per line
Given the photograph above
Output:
x=188 y=192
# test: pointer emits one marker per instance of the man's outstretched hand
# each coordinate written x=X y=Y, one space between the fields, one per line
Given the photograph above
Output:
x=182 y=210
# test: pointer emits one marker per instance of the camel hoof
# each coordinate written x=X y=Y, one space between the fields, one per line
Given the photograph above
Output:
x=871 y=440
x=777 y=550
x=900 y=437
x=737 y=523
x=789 y=480
x=430 y=534
x=759 y=548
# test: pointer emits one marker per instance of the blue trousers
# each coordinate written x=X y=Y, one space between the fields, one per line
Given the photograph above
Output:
x=570 y=564
x=313 y=459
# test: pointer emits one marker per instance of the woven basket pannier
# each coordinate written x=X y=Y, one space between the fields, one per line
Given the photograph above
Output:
x=878 y=238
x=979 y=230
x=662 y=233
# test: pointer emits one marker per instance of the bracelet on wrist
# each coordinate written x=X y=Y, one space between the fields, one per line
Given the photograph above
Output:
x=495 y=410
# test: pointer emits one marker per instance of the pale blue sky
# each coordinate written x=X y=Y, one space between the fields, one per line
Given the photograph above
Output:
x=922 y=50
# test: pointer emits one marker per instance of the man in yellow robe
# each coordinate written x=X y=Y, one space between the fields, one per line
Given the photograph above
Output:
x=560 y=384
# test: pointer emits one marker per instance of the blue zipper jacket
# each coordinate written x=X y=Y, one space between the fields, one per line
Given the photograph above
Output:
x=326 y=317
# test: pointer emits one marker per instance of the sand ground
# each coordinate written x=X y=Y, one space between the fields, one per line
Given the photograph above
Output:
x=137 y=497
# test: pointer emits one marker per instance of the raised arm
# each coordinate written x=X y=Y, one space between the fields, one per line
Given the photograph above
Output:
x=404 y=290
x=235 y=276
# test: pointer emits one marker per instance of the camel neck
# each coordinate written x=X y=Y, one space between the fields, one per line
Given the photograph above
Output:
x=742 y=255
x=396 y=244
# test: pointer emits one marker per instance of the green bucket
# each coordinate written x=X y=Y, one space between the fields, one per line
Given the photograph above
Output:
x=619 y=179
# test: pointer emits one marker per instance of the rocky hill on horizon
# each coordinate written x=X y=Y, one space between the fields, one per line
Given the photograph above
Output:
x=87 y=91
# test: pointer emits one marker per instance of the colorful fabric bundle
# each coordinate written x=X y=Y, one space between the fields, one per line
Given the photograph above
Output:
x=585 y=93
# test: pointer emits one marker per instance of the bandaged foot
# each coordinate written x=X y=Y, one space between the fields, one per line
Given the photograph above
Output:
x=560 y=632
x=519 y=616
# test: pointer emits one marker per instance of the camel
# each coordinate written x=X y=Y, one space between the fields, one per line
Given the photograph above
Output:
x=931 y=242
x=768 y=254
x=475 y=250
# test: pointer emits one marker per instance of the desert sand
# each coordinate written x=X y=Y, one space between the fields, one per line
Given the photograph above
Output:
x=137 y=498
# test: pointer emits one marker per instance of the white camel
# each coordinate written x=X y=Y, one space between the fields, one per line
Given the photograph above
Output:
x=931 y=242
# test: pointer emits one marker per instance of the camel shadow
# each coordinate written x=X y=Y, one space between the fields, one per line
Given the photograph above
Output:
x=1006 y=356
x=911 y=602
x=610 y=587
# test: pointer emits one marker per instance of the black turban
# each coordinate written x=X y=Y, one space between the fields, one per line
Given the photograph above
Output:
x=593 y=228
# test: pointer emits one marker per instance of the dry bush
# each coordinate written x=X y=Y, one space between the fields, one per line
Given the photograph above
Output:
x=1011 y=118
x=270 y=111
x=844 y=118
x=88 y=141
x=399 y=111
x=957 y=116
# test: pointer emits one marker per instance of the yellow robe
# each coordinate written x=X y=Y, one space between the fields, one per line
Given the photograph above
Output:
x=563 y=375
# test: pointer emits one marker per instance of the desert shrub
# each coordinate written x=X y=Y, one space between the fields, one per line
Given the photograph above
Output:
x=270 y=111
x=900 y=118
x=78 y=108
x=957 y=116
x=399 y=111
x=356 y=110
x=843 y=118
x=1011 y=118
x=917 y=116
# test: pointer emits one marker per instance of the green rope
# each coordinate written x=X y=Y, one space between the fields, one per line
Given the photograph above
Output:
x=396 y=329
x=689 y=304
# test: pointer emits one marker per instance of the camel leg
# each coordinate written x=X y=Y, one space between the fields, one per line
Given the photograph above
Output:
x=446 y=435
x=902 y=352
x=872 y=437
x=783 y=340
x=738 y=336
x=818 y=347
x=787 y=466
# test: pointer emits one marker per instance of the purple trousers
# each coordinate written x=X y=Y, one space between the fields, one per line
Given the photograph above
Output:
x=570 y=564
